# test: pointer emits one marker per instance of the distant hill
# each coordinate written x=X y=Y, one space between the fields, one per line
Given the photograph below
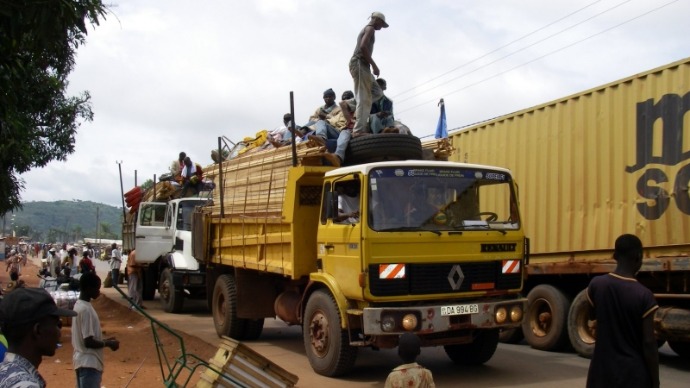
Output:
x=65 y=221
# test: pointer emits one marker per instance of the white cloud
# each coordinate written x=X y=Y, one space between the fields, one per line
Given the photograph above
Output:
x=167 y=76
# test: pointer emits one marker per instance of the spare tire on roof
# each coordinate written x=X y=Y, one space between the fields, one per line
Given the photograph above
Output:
x=383 y=147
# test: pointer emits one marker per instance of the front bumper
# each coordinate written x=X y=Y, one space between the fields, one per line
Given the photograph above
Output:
x=189 y=279
x=436 y=319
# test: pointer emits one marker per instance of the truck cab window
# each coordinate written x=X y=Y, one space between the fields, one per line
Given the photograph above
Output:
x=348 y=202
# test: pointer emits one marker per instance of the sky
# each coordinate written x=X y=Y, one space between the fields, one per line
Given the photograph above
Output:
x=169 y=75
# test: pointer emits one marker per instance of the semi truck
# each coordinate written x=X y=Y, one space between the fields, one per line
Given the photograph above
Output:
x=592 y=166
x=432 y=247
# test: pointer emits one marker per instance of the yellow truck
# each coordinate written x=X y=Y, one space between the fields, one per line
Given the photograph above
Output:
x=359 y=254
x=592 y=166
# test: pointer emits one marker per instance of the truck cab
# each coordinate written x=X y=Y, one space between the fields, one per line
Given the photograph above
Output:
x=434 y=248
x=163 y=243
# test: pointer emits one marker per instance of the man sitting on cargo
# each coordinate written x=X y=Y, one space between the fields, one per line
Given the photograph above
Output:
x=191 y=177
x=340 y=126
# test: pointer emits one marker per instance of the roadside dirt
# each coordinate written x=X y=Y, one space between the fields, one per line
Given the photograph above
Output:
x=136 y=363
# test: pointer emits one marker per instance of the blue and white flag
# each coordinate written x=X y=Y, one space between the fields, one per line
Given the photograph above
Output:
x=442 y=126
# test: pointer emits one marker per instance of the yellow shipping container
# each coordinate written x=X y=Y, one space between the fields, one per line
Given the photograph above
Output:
x=597 y=164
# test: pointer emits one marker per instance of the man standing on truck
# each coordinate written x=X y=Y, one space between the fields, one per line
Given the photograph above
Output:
x=361 y=66
x=625 y=353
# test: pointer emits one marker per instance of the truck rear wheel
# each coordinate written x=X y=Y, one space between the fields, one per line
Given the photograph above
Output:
x=149 y=286
x=172 y=298
x=476 y=353
x=326 y=344
x=224 y=308
x=545 y=322
x=582 y=325
x=681 y=348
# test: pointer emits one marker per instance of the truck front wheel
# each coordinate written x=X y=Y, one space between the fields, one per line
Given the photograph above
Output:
x=582 y=325
x=224 y=308
x=476 y=353
x=545 y=323
x=326 y=344
x=172 y=298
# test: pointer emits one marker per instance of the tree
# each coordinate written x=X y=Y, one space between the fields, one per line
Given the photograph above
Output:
x=38 y=121
x=147 y=185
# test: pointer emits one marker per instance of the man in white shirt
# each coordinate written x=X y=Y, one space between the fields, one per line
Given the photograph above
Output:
x=87 y=337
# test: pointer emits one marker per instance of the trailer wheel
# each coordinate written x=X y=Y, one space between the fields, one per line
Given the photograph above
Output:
x=326 y=344
x=381 y=147
x=582 y=325
x=172 y=298
x=511 y=336
x=476 y=353
x=224 y=308
x=681 y=348
x=545 y=322
x=149 y=286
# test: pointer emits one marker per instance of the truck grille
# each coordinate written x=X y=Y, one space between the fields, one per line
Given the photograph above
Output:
x=433 y=279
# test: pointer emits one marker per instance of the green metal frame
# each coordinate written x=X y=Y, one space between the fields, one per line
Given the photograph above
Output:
x=171 y=370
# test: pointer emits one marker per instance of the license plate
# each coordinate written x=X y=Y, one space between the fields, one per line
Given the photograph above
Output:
x=459 y=309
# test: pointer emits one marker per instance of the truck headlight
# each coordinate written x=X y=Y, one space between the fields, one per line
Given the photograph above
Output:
x=388 y=323
x=409 y=322
x=501 y=314
x=516 y=313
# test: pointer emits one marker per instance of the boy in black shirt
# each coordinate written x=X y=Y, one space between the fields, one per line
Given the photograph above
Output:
x=625 y=354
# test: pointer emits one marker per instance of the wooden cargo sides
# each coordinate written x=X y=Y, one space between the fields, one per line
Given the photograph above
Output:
x=257 y=229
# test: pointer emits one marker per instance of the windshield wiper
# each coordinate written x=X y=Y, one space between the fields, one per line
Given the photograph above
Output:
x=410 y=229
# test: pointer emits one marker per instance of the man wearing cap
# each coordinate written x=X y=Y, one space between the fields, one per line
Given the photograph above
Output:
x=30 y=321
x=87 y=337
x=361 y=66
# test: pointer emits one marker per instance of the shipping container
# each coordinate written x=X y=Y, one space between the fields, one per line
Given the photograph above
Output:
x=592 y=166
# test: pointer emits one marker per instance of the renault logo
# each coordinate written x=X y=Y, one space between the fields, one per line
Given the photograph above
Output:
x=455 y=277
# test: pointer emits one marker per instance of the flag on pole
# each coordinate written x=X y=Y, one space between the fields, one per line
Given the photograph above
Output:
x=442 y=126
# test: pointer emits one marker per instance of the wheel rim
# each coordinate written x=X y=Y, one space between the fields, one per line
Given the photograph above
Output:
x=318 y=333
x=220 y=309
x=586 y=327
x=165 y=290
x=541 y=317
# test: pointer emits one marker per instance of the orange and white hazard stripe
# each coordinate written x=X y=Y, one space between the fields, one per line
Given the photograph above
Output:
x=511 y=266
x=391 y=271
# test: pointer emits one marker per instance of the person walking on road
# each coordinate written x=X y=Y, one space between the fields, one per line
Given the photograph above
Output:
x=115 y=262
x=625 y=353
x=87 y=337
x=361 y=66
x=31 y=324
x=134 y=285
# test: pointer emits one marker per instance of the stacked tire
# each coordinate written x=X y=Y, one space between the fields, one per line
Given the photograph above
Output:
x=383 y=147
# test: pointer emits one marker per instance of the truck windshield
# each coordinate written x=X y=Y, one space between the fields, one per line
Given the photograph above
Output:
x=441 y=198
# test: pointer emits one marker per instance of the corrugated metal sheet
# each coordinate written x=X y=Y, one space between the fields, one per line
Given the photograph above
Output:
x=594 y=165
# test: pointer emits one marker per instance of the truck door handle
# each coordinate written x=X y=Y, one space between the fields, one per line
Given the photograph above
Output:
x=140 y=237
x=329 y=246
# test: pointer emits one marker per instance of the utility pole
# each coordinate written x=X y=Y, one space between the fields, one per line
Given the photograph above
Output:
x=98 y=225
x=122 y=190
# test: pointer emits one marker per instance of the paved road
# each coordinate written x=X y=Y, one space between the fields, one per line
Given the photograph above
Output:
x=511 y=366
